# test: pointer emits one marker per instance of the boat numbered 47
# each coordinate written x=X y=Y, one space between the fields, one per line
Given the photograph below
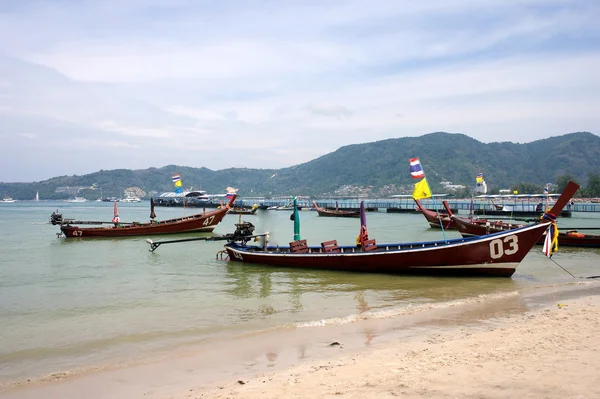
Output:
x=202 y=222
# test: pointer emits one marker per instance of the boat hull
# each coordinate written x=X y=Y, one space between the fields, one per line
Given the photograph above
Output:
x=581 y=240
x=436 y=219
x=566 y=239
x=343 y=214
x=495 y=255
x=336 y=212
x=511 y=214
x=204 y=222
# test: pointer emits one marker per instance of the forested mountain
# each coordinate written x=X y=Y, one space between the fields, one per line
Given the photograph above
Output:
x=379 y=168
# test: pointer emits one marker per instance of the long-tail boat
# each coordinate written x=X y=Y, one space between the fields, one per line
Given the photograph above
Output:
x=336 y=212
x=573 y=237
x=243 y=211
x=436 y=219
x=201 y=222
x=496 y=254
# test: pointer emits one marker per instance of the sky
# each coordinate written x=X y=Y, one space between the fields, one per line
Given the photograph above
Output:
x=88 y=85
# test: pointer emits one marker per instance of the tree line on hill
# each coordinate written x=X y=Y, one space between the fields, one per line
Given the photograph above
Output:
x=376 y=169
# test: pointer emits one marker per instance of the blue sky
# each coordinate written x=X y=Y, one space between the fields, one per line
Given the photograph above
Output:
x=90 y=85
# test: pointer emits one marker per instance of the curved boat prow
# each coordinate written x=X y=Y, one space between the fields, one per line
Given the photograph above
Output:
x=564 y=198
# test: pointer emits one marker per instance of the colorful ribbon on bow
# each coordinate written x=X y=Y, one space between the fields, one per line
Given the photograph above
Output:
x=551 y=241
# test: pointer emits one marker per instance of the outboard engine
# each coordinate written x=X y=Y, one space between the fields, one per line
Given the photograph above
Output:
x=243 y=230
x=56 y=218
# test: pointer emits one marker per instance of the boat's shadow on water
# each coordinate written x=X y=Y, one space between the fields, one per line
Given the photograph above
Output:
x=255 y=280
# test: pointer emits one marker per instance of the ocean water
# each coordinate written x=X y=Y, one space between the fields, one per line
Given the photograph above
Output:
x=81 y=304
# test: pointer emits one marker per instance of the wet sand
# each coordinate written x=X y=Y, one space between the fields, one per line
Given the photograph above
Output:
x=542 y=345
x=549 y=353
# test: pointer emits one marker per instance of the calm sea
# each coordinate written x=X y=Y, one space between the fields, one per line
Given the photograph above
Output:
x=82 y=304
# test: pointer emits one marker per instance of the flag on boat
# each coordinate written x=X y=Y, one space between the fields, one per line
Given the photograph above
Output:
x=230 y=192
x=152 y=213
x=296 y=221
x=479 y=178
x=547 y=189
x=363 y=235
x=480 y=186
x=116 y=218
x=416 y=171
x=177 y=182
x=422 y=190
x=551 y=240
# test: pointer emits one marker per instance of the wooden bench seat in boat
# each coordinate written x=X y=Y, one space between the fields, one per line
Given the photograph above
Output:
x=369 y=245
x=298 y=247
x=330 y=246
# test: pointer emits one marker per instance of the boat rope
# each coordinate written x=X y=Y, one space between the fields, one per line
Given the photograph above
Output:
x=557 y=264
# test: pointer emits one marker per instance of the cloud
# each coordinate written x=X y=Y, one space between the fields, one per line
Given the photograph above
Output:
x=327 y=109
x=220 y=85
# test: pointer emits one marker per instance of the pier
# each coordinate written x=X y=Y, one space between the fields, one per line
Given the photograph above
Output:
x=390 y=205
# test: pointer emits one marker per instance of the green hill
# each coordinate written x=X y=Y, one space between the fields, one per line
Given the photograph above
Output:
x=378 y=169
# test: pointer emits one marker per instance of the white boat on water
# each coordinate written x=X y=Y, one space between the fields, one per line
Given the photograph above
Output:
x=76 y=200
x=7 y=200
x=131 y=199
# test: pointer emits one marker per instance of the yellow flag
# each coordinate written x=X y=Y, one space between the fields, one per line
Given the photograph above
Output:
x=422 y=190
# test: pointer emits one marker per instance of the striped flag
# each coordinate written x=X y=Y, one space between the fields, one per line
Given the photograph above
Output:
x=547 y=189
x=416 y=171
x=177 y=182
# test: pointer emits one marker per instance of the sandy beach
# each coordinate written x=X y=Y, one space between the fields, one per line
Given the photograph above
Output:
x=552 y=351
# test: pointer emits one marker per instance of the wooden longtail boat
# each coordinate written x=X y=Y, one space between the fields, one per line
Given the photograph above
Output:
x=202 y=222
x=434 y=218
x=570 y=238
x=243 y=211
x=496 y=254
x=335 y=212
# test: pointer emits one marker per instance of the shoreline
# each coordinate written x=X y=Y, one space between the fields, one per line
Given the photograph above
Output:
x=551 y=353
x=287 y=362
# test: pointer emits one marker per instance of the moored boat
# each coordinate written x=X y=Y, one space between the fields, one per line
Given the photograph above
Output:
x=496 y=254
x=335 y=212
x=243 y=211
x=573 y=237
x=131 y=199
x=7 y=200
x=202 y=222
x=436 y=219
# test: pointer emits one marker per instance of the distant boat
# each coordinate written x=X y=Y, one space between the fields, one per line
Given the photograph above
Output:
x=131 y=199
x=336 y=211
x=7 y=200
x=37 y=196
x=77 y=199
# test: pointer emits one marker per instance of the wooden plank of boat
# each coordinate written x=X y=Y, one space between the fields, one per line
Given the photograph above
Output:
x=496 y=254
